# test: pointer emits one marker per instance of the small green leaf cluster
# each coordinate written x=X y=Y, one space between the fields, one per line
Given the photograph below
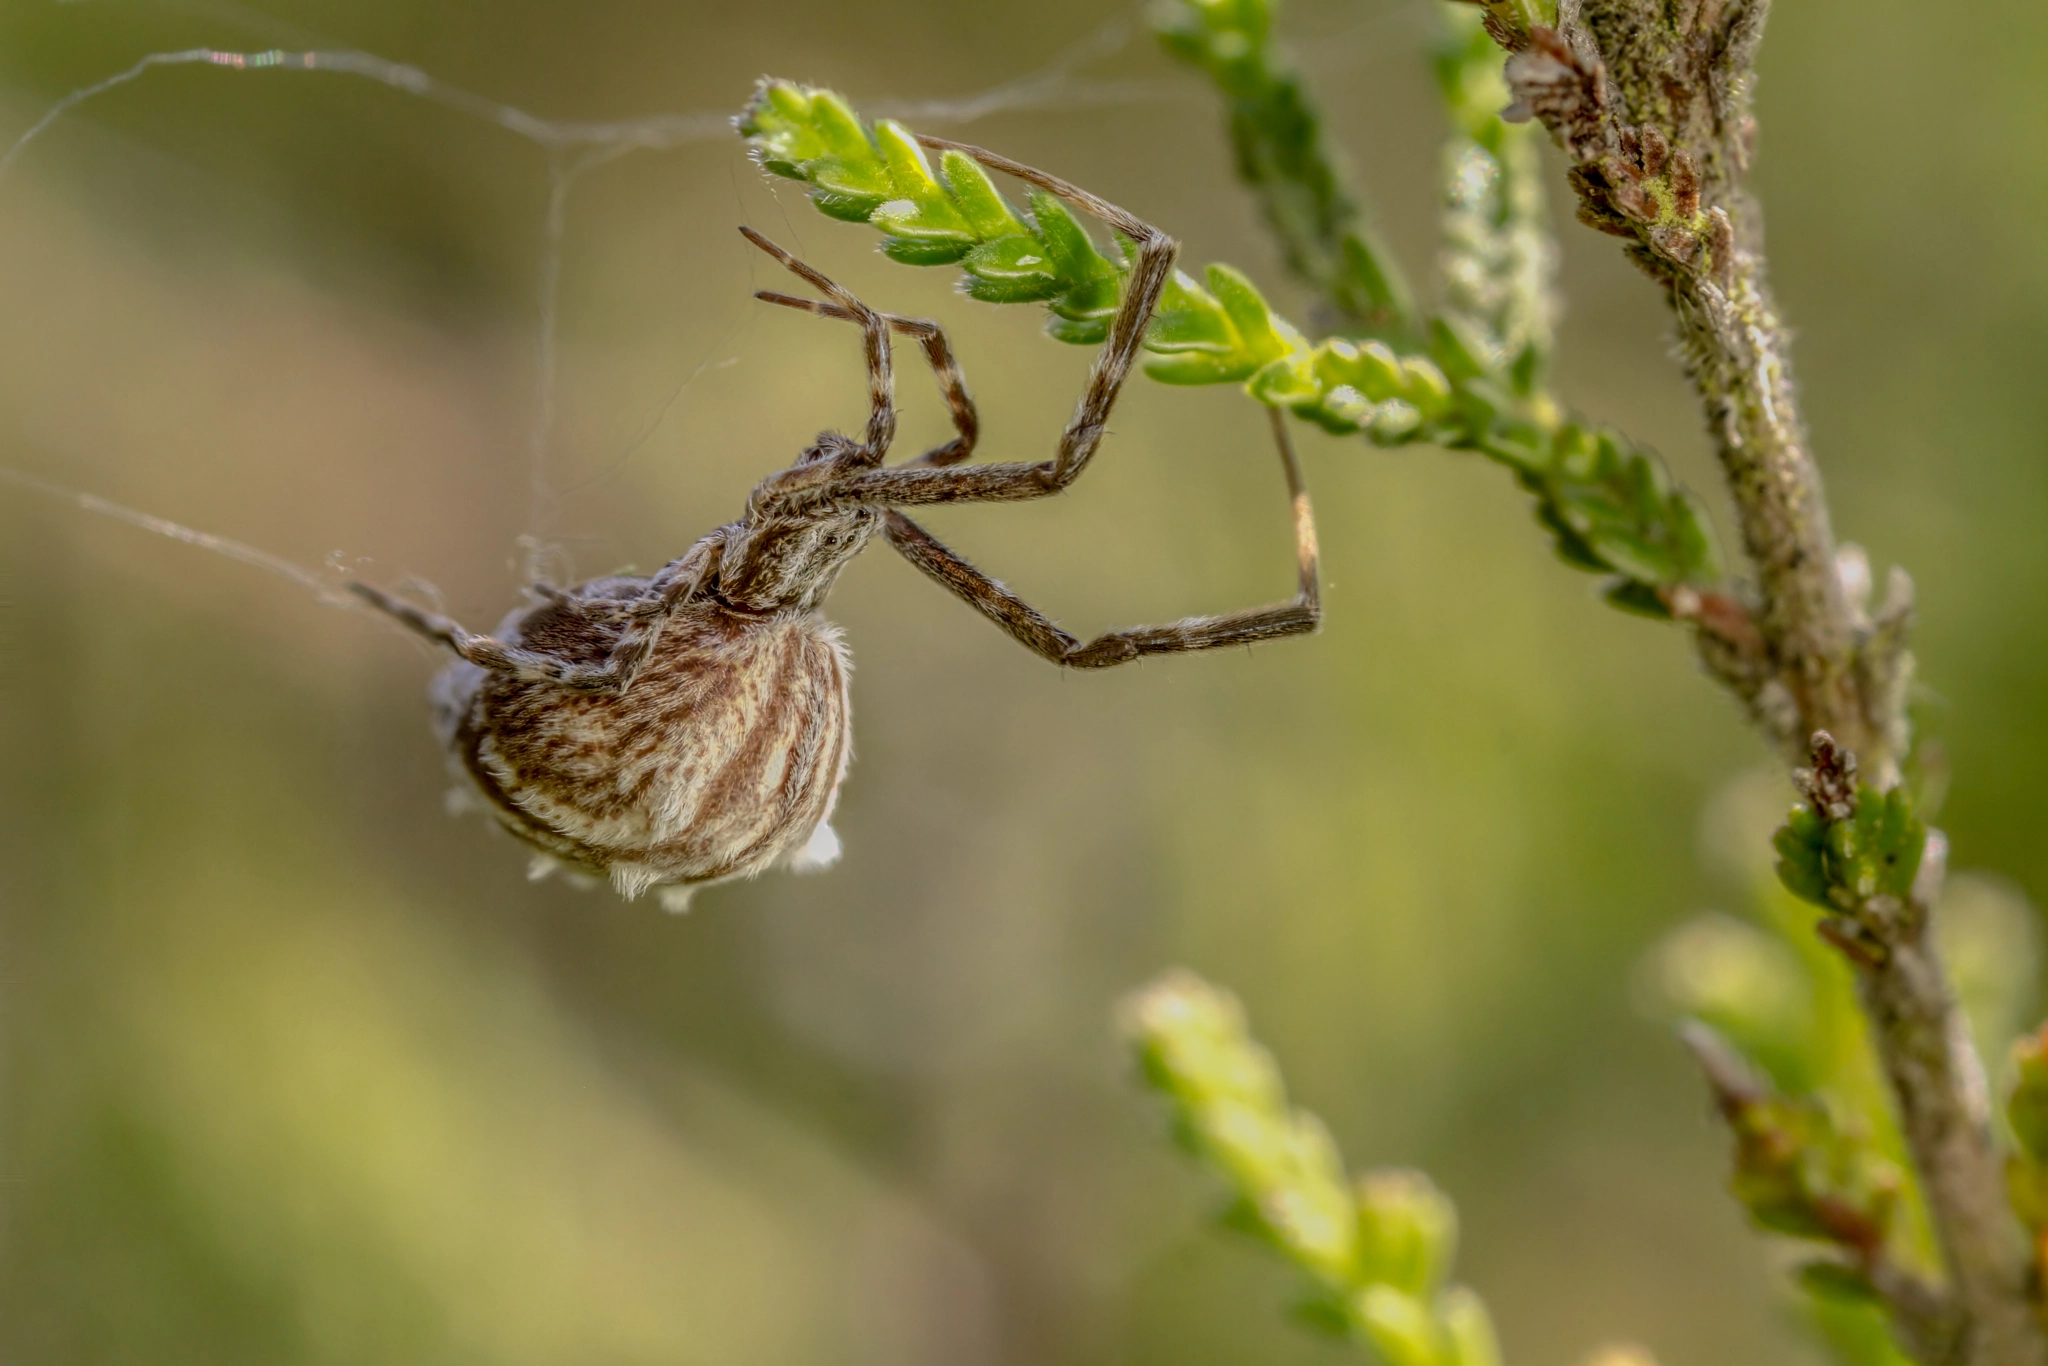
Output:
x=1377 y=1252
x=1818 y=1154
x=1821 y=1168
x=1608 y=505
x=1230 y=334
x=1840 y=861
x=882 y=177
x=1223 y=334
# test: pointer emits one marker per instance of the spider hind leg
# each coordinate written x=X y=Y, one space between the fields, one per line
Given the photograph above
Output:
x=636 y=619
x=1298 y=615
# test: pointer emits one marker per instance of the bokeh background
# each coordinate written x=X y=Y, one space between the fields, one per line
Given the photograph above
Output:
x=300 y=1069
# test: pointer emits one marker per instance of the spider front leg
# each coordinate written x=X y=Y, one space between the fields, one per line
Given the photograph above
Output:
x=1298 y=616
x=913 y=484
x=938 y=353
x=641 y=620
x=874 y=331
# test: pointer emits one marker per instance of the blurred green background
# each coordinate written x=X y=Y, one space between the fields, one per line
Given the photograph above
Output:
x=301 y=1070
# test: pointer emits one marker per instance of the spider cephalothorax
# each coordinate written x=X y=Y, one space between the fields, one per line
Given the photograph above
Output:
x=693 y=726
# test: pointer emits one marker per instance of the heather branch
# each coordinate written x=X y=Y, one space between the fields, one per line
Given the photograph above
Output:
x=1653 y=113
x=1608 y=505
x=1497 y=267
x=1375 y=1253
x=1650 y=103
x=1605 y=500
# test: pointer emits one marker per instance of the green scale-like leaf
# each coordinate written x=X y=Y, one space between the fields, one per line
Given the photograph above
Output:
x=1276 y=132
x=1376 y=1252
x=1606 y=504
x=1839 y=864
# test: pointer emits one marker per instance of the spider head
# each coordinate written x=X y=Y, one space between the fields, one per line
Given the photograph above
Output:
x=788 y=560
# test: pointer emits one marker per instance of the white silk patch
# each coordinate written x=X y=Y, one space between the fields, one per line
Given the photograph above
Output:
x=819 y=852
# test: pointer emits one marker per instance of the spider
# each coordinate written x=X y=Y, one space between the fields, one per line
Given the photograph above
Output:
x=692 y=727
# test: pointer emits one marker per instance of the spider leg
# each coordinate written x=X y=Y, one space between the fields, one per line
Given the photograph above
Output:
x=1297 y=616
x=484 y=651
x=644 y=617
x=938 y=353
x=874 y=331
x=915 y=484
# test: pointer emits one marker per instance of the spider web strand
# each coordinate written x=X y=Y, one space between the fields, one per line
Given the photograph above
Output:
x=238 y=551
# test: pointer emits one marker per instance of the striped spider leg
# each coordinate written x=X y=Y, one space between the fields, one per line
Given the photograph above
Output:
x=694 y=726
x=916 y=482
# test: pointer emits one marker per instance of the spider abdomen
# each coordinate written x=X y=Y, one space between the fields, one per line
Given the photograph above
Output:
x=722 y=759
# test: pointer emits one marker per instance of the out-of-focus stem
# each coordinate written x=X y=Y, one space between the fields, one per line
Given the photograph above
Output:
x=1276 y=132
x=1923 y=1043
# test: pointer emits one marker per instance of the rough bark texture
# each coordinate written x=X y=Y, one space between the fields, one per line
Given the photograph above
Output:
x=1939 y=1088
x=1734 y=348
x=1650 y=101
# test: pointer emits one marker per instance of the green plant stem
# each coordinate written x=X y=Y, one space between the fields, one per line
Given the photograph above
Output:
x=1868 y=861
x=1276 y=133
x=1782 y=1147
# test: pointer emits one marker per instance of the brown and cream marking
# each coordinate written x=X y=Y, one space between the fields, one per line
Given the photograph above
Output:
x=723 y=757
x=690 y=727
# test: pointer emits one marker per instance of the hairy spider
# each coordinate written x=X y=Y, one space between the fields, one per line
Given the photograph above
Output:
x=692 y=727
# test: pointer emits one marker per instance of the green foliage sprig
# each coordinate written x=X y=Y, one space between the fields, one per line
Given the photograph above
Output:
x=1376 y=1252
x=1276 y=132
x=1816 y=1135
x=1770 y=1013
x=1225 y=333
x=1608 y=505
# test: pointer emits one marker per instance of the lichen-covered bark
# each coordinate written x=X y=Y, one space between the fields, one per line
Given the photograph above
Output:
x=1734 y=348
x=1649 y=99
x=1651 y=103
